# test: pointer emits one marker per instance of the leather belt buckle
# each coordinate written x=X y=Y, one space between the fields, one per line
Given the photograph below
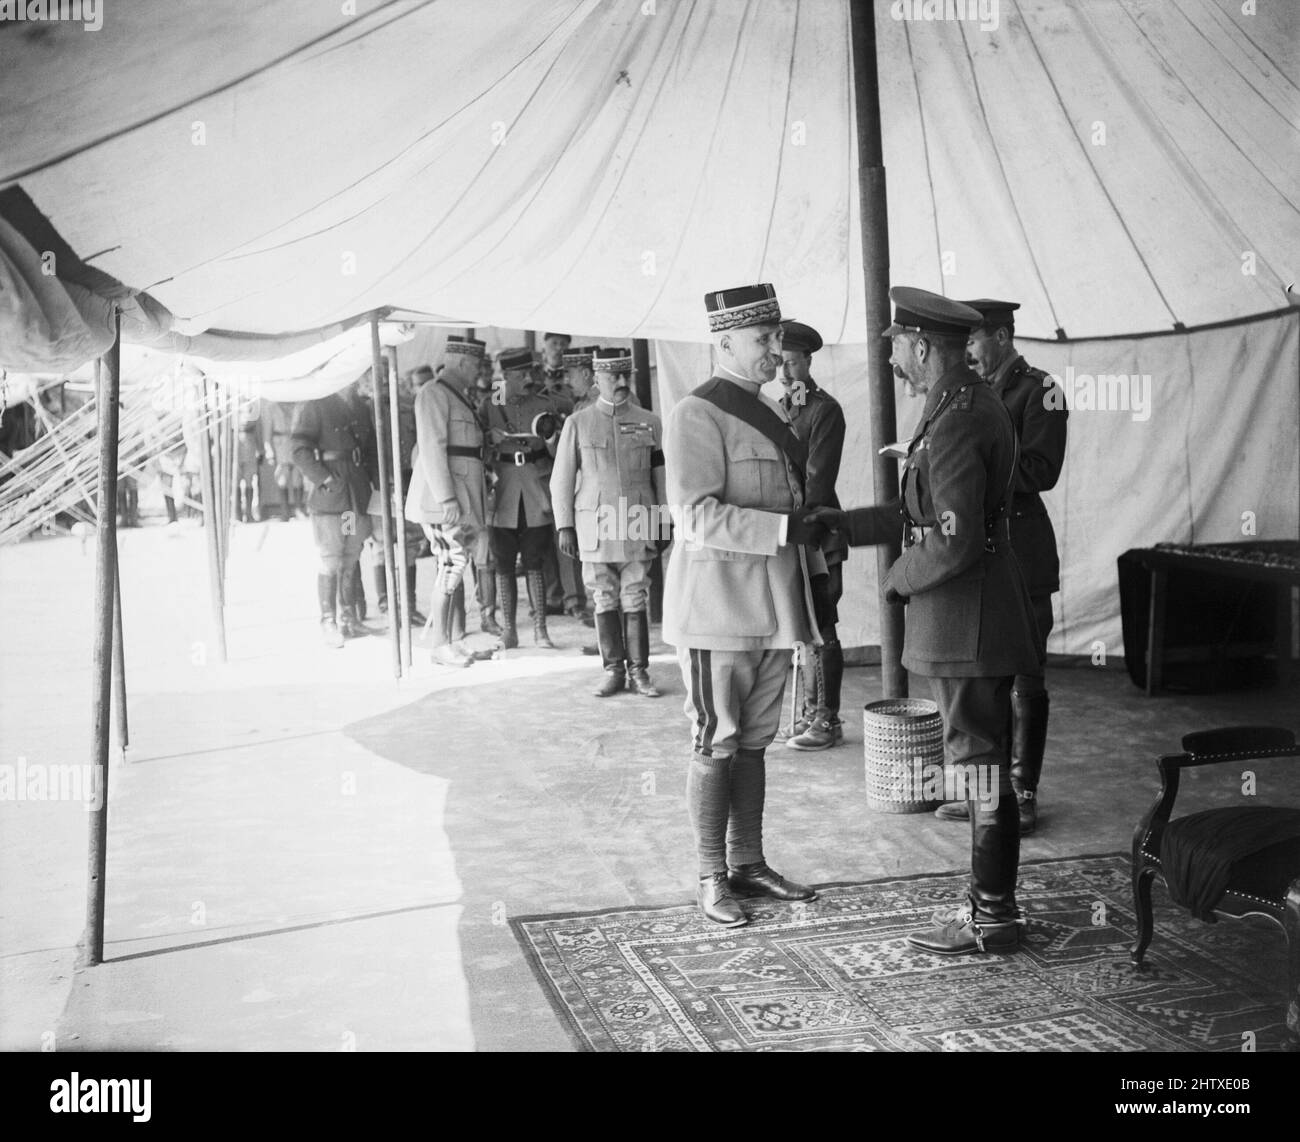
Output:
x=521 y=458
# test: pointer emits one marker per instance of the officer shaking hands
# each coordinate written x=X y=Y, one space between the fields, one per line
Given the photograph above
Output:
x=970 y=630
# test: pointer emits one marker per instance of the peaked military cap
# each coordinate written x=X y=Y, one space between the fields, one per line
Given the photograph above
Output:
x=995 y=312
x=613 y=361
x=510 y=359
x=920 y=311
x=568 y=337
x=741 y=307
x=579 y=358
x=466 y=346
x=797 y=335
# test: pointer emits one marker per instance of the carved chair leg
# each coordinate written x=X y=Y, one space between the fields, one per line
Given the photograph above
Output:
x=1142 y=878
x=1291 y=923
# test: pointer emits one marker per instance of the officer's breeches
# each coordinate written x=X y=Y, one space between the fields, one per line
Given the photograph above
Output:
x=454 y=547
x=733 y=697
x=338 y=540
x=510 y=542
x=618 y=584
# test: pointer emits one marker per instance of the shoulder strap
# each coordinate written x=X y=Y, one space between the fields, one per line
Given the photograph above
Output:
x=460 y=396
x=734 y=401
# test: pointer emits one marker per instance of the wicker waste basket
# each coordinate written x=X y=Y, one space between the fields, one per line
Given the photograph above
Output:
x=902 y=739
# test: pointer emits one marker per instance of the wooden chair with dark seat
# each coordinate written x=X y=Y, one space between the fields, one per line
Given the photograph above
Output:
x=1224 y=862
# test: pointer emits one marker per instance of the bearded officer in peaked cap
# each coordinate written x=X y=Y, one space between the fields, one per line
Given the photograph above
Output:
x=1038 y=411
x=969 y=630
x=737 y=593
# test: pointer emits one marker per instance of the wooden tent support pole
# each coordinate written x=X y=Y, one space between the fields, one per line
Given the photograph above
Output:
x=216 y=588
x=119 y=662
x=385 y=494
x=398 y=614
x=875 y=262
x=92 y=948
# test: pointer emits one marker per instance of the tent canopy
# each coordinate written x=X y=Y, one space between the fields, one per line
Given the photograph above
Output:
x=1118 y=166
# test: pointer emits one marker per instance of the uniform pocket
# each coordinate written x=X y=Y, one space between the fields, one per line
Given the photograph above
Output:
x=729 y=597
x=943 y=625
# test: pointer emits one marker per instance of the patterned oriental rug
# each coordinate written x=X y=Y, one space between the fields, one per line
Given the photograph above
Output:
x=838 y=975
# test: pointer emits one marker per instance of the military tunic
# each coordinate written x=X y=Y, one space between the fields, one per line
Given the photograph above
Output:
x=608 y=485
x=522 y=463
x=968 y=612
x=1039 y=414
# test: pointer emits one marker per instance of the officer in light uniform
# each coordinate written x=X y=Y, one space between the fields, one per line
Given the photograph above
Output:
x=610 y=507
x=818 y=421
x=969 y=625
x=448 y=492
x=1038 y=410
x=523 y=431
x=737 y=593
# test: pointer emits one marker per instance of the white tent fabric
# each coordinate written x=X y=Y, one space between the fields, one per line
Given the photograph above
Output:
x=1120 y=166
x=1206 y=453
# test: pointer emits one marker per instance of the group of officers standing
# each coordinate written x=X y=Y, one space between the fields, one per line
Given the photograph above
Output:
x=559 y=459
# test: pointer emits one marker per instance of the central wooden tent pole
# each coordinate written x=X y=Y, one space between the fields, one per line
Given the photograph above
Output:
x=400 y=614
x=92 y=949
x=875 y=264
x=385 y=494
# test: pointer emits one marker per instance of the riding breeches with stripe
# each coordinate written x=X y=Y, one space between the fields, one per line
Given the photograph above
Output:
x=733 y=697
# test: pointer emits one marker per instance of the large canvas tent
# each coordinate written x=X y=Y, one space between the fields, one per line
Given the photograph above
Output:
x=1125 y=169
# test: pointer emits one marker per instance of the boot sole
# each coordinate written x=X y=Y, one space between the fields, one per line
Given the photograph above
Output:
x=973 y=950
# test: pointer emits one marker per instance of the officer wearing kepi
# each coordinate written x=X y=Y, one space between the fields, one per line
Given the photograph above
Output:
x=610 y=504
x=1038 y=410
x=737 y=593
x=523 y=431
x=969 y=627
x=818 y=421
x=448 y=491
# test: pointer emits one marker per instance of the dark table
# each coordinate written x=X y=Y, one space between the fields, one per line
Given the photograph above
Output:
x=1212 y=604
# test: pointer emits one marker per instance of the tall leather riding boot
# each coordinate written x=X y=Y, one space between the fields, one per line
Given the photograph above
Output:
x=636 y=639
x=609 y=635
x=1028 y=742
x=812 y=681
x=994 y=858
x=349 y=588
x=381 y=586
x=327 y=589
x=831 y=657
x=537 y=597
x=508 y=597
x=413 y=616
x=485 y=585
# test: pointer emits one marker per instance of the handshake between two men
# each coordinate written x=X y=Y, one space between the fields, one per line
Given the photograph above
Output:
x=864 y=527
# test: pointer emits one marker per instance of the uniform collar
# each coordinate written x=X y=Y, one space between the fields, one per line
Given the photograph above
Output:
x=954 y=378
x=725 y=374
x=611 y=409
x=998 y=381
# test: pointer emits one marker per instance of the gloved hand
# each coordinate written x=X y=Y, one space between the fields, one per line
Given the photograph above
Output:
x=450 y=513
x=802 y=527
x=833 y=519
x=569 y=542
